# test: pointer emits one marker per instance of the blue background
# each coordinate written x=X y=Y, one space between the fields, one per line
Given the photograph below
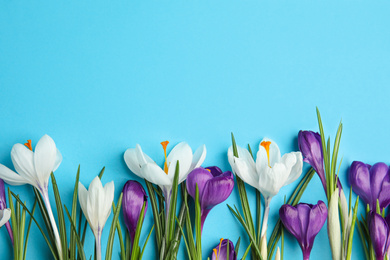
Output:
x=101 y=76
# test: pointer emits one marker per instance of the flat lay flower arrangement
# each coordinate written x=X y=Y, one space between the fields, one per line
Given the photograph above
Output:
x=181 y=193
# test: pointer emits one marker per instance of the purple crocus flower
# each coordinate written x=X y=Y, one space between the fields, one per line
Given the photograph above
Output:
x=379 y=233
x=134 y=197
x=304 y=221
x=220 y=251
x=214 y=187
x=371 y=183
x=3 y=205
x=310 y=145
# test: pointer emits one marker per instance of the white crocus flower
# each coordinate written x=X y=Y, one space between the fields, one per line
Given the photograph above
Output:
x=96 y=205
x=34 y=168
x=143 y=166
x=5 y=215
x=269 y=173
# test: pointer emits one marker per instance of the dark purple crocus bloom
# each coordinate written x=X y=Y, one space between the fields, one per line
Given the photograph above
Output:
x=220 y=251
x=379 y=233
x=134 y=197
x=310 y=145
x=371 y=183
x=214 y=187
x=304 y=221
x=3 y=205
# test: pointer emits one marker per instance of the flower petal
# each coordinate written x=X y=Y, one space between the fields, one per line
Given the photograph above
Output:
x=109 y=190
x=359 y=177
x=198 y=157
x=272 y=179
x=379 y=231
x=274 y=152
x=244 y=166
x=216 y=190
x=4 y=216
x=23 y=160
x=296 y=169
x=154 y=174
x=317 y=218
x=197 y=176
x=58 y=160
x=45 y=156
x=11 y=177
x=181 y=152
x=83 y=199
x=135 y=158
x=378 y=172
x=290 y=219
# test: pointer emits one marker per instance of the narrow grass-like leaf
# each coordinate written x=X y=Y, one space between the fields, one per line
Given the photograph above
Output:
x=237 y=246
x=198 y=231
x=363 y=239
x=136 y=250
x=72 y=246
x=246 y=251
x=189 y=253
x=54 y=253
x=14 y=223
x=111 y=235
x=153 y=203
x=60 y=215
x=28 y=230
x=146 y=242
x=350 y=238
x=80 y=249
x=172 y=206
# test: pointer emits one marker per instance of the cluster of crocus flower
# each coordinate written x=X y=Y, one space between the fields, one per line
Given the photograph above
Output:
x=269 y=173
x=372 y=184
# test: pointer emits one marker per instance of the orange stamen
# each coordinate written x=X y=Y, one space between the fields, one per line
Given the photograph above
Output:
x=28 y=144
x=266 y=145
x=164 y=145
x=208 y=170
x=219 y=248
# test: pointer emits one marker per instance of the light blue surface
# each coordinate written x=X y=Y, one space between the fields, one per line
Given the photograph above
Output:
x=100 y=77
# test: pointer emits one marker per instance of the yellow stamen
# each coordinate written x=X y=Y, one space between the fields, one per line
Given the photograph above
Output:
x=28 y=144
x=208 y=170
x=266 y=145
x=219 y=248
x=164 y=145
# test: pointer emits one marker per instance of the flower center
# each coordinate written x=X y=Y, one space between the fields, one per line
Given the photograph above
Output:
x=164 y=145
x=216 y=252
x=266 y=145
x=28 y=144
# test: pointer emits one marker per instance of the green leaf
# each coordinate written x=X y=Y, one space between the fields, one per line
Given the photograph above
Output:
x=172 y=210
x=146 y=242
x=78 y=242
x=28 y=230
x=237 y=246
x=350 y=238
x=157 y=223
x=198 y=229
x=54 y=253
x=61 y=219
x=135 y=252
x=111 y=236
x=72 y=246
x=246 y=252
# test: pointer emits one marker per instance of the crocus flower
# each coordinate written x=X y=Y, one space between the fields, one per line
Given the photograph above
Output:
x=134 y=196
x=304 y=221
x=371 y=183
x=310 y=145
x=214 y=187
x=3 y=205
x=270 y=172
x=35 y=168
x=220 y=251
x=379 y=233
x=5 y=215
x=96 y=204
x=143 y=166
